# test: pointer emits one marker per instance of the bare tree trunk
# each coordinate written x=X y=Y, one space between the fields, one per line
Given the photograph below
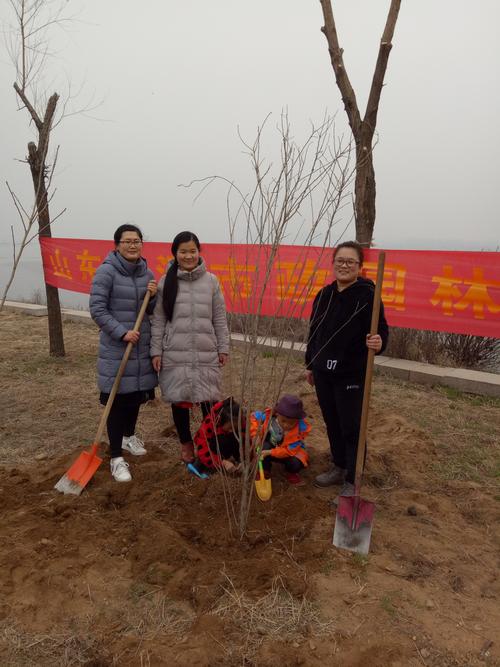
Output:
x=28 y=49
x=36 y=159
x=363 y=129
x=56 y=337
x=364 y=193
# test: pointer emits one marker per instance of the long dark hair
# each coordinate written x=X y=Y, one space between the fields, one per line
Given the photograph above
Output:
x=170 y=286
x=229 y=411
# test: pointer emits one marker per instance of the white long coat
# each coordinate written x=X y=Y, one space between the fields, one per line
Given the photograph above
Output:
x=190 y=344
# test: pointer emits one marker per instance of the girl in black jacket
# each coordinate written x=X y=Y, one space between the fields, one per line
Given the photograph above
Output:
x=337 y=350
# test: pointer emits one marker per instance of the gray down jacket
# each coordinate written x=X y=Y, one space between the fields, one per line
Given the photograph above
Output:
x=190 y=344
x=116 y=295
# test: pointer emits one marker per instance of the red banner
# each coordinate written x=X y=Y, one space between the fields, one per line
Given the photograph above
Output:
x=457 y=292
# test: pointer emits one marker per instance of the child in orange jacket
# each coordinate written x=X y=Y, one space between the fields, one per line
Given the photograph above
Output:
x=285 y=428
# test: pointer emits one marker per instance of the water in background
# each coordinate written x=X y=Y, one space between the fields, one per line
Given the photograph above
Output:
x=28 y=283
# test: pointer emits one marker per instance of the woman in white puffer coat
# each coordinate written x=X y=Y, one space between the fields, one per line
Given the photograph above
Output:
x=189 y=336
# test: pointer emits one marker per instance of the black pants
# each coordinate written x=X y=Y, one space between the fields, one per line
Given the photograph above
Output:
x=291 y=463
x=341 y=400
x=123 y=417
x=182 y=420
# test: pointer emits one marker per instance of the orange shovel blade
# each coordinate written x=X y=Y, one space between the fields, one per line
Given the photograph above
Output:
x=80 y=473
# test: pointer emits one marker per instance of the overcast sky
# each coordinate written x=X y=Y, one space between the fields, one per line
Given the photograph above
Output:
x=177 y=79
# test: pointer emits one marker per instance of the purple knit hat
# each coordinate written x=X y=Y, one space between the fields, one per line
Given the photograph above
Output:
x=290 y=406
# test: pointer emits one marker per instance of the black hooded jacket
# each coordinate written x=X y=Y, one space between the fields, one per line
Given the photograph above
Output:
x=339 y=323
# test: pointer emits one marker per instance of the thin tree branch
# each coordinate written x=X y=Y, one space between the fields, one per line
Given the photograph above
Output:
x=37 y=234
x=17 y=204
x=381 y=66
x=314 y=175
x=343 y=82
x=27 y=104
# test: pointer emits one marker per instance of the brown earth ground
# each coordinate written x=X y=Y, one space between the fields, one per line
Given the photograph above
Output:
x=147 y=573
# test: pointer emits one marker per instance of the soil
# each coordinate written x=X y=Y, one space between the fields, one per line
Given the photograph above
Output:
x=150 y=572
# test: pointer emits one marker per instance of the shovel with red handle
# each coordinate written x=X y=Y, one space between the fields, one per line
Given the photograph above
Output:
x=354 y=520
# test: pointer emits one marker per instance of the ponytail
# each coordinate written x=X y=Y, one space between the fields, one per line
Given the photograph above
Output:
x=171 y=286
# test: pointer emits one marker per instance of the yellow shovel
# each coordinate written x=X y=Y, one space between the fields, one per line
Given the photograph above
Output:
x=263 y=486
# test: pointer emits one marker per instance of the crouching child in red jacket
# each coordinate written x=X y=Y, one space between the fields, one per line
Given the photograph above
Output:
x=216 y=441
x=285 y=429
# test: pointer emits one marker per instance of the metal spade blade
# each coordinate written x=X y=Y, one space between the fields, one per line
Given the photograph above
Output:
x=353 y=524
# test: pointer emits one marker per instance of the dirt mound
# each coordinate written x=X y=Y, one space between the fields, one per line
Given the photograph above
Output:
x=149 y=573
x=154 y=567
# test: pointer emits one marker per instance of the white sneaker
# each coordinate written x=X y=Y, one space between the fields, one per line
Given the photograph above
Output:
x=133 y=445
x=119 y=469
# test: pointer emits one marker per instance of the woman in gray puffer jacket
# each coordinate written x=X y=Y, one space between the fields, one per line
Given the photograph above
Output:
x=118 y=289
x=189 y=336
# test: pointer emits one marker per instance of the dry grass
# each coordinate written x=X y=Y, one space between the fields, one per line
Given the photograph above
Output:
x=157 y=615
x=62 y=649
x=276 y=615
x=464 y=428
x=152 y=617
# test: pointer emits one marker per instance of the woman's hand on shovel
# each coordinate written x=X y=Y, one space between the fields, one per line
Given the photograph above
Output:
x=156 y=361
x=152 y=287
x=374 y=342
x=131 y=337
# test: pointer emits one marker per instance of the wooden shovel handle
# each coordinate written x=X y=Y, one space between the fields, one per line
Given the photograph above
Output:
x=121 y=369
x=360 y=457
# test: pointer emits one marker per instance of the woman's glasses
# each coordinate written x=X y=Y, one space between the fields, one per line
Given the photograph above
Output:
x=131 y=244
x=339 y=261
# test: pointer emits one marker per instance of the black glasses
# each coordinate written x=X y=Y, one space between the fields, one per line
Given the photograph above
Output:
x=130 y=244
x=345 y=262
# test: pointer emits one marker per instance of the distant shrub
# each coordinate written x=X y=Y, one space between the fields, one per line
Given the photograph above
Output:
x=445 y=349
x=38 y=297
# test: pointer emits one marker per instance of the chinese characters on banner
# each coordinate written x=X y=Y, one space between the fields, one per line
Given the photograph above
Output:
x=457 y=292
